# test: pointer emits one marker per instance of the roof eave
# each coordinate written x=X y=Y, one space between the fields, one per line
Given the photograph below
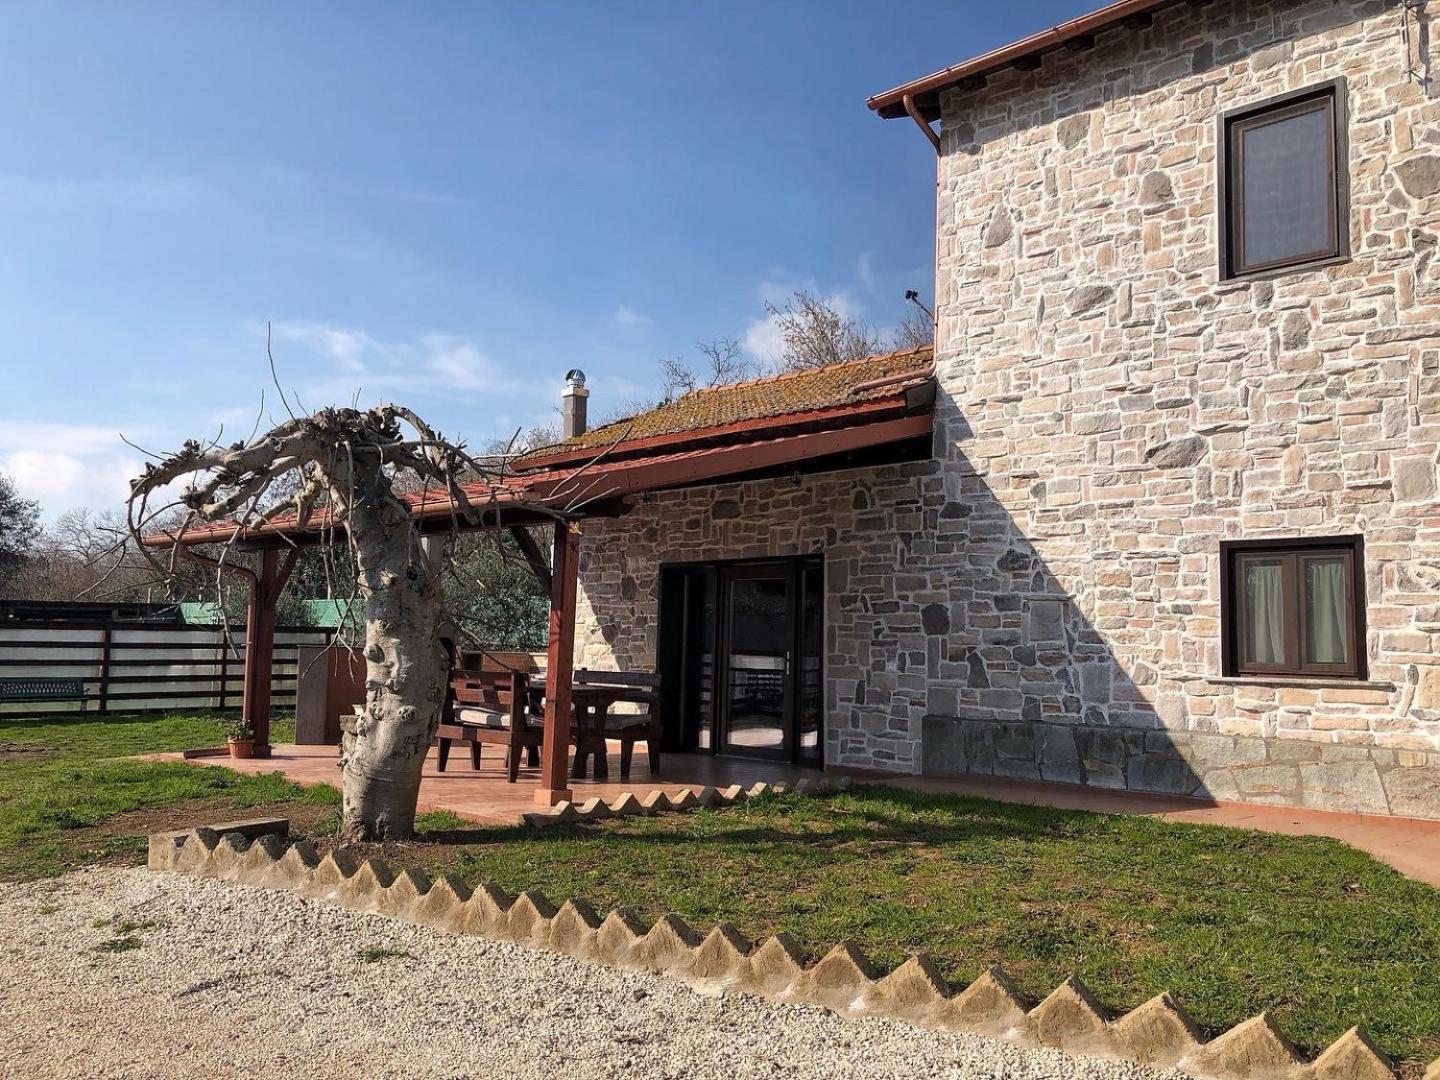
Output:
x=925 y=92
x=786 y=439
x=777 y=426
x=440 y=510
x=723 y=464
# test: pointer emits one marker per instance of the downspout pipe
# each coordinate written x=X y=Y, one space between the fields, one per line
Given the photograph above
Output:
x=921 y=123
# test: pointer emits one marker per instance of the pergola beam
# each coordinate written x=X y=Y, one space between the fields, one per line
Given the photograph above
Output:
x=528 y=546
x=559 y=667
x=265 y=588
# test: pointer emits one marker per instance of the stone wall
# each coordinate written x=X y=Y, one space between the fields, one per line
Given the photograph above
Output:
x=1044 y=597
x=887 y=571
x=1129 y=410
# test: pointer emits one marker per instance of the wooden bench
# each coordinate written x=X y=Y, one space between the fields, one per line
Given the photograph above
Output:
x=490 y=707
x=43 y=688
x=594 y=694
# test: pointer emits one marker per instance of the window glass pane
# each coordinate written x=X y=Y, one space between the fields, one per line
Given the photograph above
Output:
x=1264 y=635
x=1287 y=192
x=1325 y=637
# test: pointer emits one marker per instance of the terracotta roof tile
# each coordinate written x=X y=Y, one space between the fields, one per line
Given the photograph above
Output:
x=755 y=399
x=839 y=392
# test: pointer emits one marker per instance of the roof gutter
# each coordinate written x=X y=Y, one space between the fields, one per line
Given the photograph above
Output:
x=926 y=372
x=921 y=122
x=901 y=100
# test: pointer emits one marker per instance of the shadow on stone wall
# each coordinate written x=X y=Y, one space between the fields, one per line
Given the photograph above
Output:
x=1022 y=683
x=954 y=647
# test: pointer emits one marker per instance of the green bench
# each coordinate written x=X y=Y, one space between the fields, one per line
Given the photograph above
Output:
x=39 y=688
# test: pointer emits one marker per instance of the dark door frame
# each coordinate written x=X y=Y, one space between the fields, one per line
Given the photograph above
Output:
x=672 y=660
x=788 y=572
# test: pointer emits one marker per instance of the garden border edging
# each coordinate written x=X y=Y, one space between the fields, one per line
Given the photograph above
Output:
x=1157 y=1033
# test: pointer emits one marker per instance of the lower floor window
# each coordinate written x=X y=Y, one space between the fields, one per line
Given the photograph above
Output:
x=1293 y=607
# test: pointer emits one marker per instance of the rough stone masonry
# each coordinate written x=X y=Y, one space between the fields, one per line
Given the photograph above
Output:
x=1042 y=598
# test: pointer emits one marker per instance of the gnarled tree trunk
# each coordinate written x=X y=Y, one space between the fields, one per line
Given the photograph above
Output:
x=343 y=462
x=407 y=665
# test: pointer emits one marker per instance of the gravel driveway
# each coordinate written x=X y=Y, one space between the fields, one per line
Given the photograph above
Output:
x=221 y=980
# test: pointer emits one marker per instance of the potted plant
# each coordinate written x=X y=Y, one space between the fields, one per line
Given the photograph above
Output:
x=241 y=739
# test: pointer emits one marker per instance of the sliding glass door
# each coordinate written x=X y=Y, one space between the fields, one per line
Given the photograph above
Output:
x=759 y=636
x=740 y=649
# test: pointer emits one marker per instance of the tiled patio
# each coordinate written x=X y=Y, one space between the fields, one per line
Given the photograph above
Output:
x=487 y=797
x=1411 y=846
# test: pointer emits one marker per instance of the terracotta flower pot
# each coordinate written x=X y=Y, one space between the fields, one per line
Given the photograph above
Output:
x=242 y=748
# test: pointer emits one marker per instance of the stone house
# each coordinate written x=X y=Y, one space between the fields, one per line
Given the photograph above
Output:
x=1162 y=514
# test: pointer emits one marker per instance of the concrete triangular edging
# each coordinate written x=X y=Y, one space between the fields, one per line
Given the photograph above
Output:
x=843 y=979
x=658 y=802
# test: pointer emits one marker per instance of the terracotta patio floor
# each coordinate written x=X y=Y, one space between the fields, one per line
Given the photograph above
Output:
x=1411 y=846
x=489 y=798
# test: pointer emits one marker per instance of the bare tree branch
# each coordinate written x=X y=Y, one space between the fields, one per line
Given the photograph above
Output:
x=371 y=475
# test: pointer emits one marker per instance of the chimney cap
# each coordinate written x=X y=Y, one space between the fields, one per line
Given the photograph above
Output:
x=575 y=377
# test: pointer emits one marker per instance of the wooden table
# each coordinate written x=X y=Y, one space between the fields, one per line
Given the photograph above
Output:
x=590 y=707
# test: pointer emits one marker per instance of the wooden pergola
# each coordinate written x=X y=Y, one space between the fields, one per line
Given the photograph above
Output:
x=898 y=421
x=278 y=546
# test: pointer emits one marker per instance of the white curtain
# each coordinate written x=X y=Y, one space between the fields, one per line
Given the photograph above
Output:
x=1264 y=613
x=1325 y=601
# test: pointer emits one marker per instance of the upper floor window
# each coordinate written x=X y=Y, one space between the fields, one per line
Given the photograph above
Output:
x=1293 y=607
x=1284 y=188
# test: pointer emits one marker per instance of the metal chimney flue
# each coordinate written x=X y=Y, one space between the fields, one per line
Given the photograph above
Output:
x=573 y=403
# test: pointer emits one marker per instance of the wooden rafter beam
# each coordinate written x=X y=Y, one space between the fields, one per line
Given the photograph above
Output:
x=539 y=565
x=559 y=664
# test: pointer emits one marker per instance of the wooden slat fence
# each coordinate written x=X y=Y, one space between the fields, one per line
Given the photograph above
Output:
x=142 y=667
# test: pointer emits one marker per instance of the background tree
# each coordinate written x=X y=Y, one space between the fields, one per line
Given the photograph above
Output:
x=813 y=331
x=915 y=330
x=19 y=528
x=495 y=600
x=349 y=463
x=722 y=361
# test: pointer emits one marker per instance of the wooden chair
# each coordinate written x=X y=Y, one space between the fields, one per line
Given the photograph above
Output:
x=490 y=707
x=596 y=723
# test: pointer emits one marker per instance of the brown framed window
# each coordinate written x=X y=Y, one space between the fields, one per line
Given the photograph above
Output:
x=1284 y=183
x=1293 y=607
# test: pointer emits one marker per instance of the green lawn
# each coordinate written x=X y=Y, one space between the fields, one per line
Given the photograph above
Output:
x=69 y=797
x=1232 y=922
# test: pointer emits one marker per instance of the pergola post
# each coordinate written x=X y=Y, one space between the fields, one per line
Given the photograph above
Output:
x=265 y=587
x=559 y=667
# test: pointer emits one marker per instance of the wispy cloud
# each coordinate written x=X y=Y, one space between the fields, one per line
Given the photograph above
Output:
x=421 y=197
x=346 y=349
x=628 y=316
x=448 y=377
x=356 y=364
x=64 y=465
x=39 y=194
x=20 y=434
x=865 y=273
x=460 y=364
x=763 y=340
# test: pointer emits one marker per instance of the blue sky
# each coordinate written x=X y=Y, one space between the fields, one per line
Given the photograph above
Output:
x=444 y=204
